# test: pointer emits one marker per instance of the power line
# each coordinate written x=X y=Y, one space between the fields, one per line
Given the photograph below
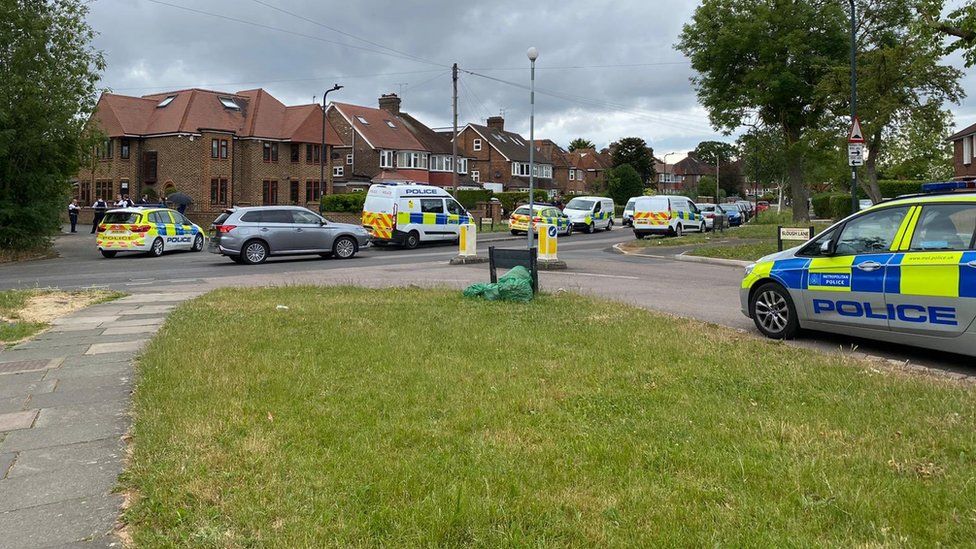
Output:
x=278 y=29
x=429 y=80
x=475 y=100
x=344 y=33
x=315 y=79
x=574 y=67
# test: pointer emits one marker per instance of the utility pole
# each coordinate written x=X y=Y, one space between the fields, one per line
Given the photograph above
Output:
x=854 y=203
x=454 y=158
x=533 y=54
x=718 y=160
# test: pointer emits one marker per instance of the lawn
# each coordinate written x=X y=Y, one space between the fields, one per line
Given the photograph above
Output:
x=746 y=252
x=24 y=313
x=411 y=417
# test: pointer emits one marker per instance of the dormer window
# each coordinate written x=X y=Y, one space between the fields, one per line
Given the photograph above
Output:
x=390 y=124
x=169 y=99
x=229 y=103
x=362 y=120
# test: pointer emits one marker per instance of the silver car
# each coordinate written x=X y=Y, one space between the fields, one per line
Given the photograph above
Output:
x=250 y=235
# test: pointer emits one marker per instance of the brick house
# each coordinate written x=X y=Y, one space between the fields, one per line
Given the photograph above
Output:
x=963 y=151
x=386 y=145
x=502 y=157
x=591 y=169
x=683 y=175
x=220 y=148
x=563 y=172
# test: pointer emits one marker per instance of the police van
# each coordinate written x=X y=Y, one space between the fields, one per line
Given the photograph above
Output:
x=666 y=215
x=589 y=213
x=902 y=271
x=410 y=213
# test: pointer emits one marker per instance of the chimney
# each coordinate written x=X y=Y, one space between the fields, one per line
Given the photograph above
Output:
x=496 y=123
x=390 y=102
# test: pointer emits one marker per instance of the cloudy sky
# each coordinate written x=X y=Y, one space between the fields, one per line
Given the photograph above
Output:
x=602 y=74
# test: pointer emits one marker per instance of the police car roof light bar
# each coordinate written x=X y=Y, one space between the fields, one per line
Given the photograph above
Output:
x=948 y=186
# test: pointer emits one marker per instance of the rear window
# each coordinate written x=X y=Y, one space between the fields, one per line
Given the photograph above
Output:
x=221 y=218
x=655 y=204
x=630 y=204
x=580 y=204
x=523 y=210
x=377 y=204
x=706 y=207
x=121 y=218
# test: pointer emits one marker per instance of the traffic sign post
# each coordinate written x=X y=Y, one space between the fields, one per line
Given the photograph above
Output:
x=855 y=145
x=855 y=154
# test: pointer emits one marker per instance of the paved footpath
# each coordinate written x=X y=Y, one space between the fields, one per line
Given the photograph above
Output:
x=64 y=410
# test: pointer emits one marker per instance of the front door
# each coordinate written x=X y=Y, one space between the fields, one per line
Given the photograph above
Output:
x=847 y=288
x=932 y=285
x=309 y=232
x=435 y=220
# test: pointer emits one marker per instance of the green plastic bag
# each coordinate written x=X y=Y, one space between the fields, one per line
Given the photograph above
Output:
x=515 y=285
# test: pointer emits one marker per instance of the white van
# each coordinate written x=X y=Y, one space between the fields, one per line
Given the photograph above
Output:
x=590 y=212
x=409 y=214
x=670 y=215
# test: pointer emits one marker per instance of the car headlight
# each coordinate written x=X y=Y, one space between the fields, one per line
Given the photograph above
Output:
x=749 y=268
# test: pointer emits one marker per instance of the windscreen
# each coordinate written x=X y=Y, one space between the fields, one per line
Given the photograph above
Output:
x=121 y=218
x=580 y=204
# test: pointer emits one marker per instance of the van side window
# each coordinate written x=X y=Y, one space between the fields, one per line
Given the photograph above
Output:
x=694 y=207
x=945 y=227
x=598 y=206
x=454 y=208
x=432 y=205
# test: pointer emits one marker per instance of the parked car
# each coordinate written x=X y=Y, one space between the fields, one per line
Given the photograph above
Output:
x=864 y=203
x=761 y=206
x=629 y=212
x=713 y=213
x=543 y=214
x=748 y=208
x=250 y=235
x=150 y=230
x=734 y=214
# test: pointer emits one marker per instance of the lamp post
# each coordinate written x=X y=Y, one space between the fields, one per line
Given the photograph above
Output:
x=322 y=186
x=854 y=203
x=667 y=171
x=533 y=54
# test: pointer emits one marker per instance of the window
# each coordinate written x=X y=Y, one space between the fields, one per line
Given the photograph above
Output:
x=411 y=160
x=454 y=208
x=521 y=169
x=169 y=99
x=390 y=124
x=572 y=175
x=214 y=148
x=349 y=159
x=305 y=218
x=362 y=120
x=124 y=149
x=104 y=150
x=967 y=150
x=440 y=163
x=223 y=149
x=945 y=227
x=477 y=145
x=870 y=233
x=149 y=166
x=432 y=205
x=229 y=103
x=160 y=218
x=501 y=138
x=475 y=176
x=462 y=165
x=295 y=152
x=104 y=189
x=270 y=151
x=312 y=153
x=295 y=191
x=386 y=159
x=218 y=190
x=313 y=191
x=269 y=194
x=337 y=171
x=85 y=192
x=579 y=175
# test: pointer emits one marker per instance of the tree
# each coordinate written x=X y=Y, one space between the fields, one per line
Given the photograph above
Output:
x=633 y=151
x=761 y=153
x=959 y=25
x=623 y=183
x=759 y=61
x=716 y=151
x=917 y=148
x=900 y=78
x=48 y=72
x=580 y=143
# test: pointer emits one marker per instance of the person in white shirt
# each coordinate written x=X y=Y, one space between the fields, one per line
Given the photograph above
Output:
x=73 y=210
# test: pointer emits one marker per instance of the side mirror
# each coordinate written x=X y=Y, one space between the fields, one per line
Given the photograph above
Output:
x=827 y=247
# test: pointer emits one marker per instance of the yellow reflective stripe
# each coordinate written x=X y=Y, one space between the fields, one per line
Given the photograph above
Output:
x=896 y=242
x=912 y=221
x=759 y=272
x=403 y=218
x=831 y=265
x=933 y=274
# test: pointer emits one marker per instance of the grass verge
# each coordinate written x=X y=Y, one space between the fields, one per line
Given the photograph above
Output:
x=41 y=252
x=410 y=417
x=747 y=252
x=24 y=313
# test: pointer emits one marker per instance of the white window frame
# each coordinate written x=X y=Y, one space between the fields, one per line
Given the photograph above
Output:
x=462 y=165
x=362 y=120
x=476 y=176
x=477 y=145
x=337 y=171
x=349 y=159
x=411 y=160
x=572 y=175
x=967 y=149
x=386 y=158
x=520 y=169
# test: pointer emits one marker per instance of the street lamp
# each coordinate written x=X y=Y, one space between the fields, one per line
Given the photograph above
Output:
x=667 y=172
x=533 y=54
x=322 y=186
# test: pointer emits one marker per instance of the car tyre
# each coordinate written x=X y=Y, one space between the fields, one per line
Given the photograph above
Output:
x=157 y=247
x=773 y=311
x=412 y=240
x=589 y=228
x=254 y=252
x=108 y=253
x=198 y=243
x=344 y=247
x=678 y=231
x=610 y=225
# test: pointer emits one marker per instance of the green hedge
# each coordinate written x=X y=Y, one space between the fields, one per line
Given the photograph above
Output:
x=840 y=205
x=468 y=198
x=512 y=200
x=348 y=202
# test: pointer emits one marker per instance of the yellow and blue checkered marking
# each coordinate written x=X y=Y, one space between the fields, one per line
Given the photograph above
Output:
x=404 y=218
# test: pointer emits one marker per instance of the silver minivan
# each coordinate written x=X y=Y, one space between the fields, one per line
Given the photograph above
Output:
x=249 y=235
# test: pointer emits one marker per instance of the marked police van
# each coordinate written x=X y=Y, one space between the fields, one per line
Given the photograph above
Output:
x=666 y=215
x=409 y=213
x=589 y=213
x=902 y=271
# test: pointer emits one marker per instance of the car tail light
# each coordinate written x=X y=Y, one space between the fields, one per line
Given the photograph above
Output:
x=224 y=229
x=102 y=228
x=140 y=228
x=396 y=209
x=710 y=216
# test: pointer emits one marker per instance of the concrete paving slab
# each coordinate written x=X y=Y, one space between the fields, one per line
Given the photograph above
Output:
x=15 y=354
x=85 y=327
x=123 y=346
x=12 y=404
x=77 y=520
x=151 y=321
x=65 y=484
x=90 y=383
x=56 y=335
x=129 y=330
x=73 y=362
x=14 y=421
x=148 y=309
x=70 y=341
x=76 y=320
x=48 y=460
x=6 y=460
x=18 y=388
x=71 y=398
x=18 y=441
x=94 y=370
x=82 y=413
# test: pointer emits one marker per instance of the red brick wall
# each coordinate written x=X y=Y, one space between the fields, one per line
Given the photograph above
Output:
x=962 y=170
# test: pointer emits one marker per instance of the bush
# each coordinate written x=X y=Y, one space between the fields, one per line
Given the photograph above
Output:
x=840 y=205
x=770 y=217
x=347 y=202
x=624 y=182
x=821 y=205
x=512 y=200
x=468 y=198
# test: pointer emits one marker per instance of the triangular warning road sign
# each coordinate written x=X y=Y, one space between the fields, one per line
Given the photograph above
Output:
x=856 y=135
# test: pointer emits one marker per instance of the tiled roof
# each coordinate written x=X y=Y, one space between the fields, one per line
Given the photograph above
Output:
x=588 y=159
x=194 y=110
x=557 y=156
x=434 y=142
x=377 y=129
x=963 y=133
x=512 y=145
x=692 y=166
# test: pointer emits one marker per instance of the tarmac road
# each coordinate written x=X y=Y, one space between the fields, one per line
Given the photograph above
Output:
x=701 y=291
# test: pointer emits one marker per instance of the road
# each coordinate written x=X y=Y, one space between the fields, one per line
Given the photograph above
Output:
x=700 y=291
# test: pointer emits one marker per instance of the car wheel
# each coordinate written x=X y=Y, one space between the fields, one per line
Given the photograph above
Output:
x=108 y=253
x=344 y=247
x=412 y=240
x=198 y=243
x=610 y=225
x=254 y=252
x=569 y=230
x=157 y=248
x=589 y=228
x=773 y=311
x=678 y=231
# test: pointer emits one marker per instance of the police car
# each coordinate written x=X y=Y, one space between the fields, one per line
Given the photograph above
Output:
x=150 y=230
x=518 y=222
x=902 y=271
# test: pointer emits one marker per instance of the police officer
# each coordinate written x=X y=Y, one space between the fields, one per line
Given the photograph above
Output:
x=100 y=207
x=73 y=210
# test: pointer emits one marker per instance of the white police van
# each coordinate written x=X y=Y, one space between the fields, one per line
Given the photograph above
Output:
x=410 y=213
x=590 y=212
x=670 y=215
